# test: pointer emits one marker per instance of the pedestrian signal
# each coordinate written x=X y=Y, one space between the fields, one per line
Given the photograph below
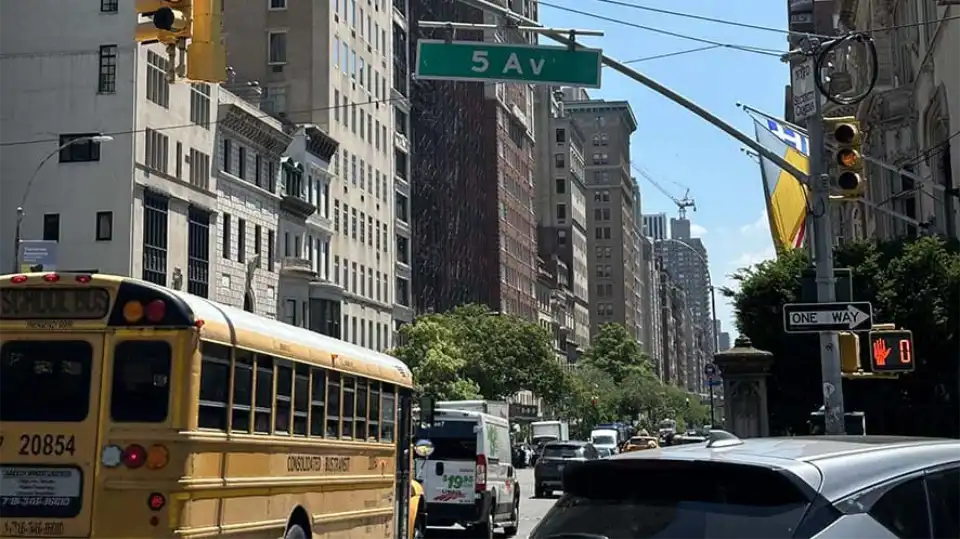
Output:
x=891 y=351
x=847 y=163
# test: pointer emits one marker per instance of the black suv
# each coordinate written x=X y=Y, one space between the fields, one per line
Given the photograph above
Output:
x=553 y=458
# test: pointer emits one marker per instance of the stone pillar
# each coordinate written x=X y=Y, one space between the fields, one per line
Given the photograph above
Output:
x=745 y=370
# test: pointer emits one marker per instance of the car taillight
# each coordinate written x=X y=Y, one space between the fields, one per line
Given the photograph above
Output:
x=481 y=476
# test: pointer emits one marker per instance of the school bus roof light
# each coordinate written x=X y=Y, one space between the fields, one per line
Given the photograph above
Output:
x=18 y=279
x=82 y=279
x=132 y=312
x=51 y=277
x=157 y=457
x=155 y=310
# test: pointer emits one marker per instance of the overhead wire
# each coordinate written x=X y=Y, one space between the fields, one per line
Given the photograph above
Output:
x=669 y=54
x=744 y=48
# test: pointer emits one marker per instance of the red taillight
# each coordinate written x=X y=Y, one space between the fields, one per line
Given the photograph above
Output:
x=155 y=310
x=481 y=477
x=51 y=277
x=18 y=279
x=82 y=279
x=156 y=501
x=134 y=456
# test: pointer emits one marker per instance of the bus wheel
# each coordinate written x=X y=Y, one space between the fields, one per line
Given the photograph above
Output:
x=295 y=532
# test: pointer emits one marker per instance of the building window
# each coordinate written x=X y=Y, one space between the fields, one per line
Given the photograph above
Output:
x=561 y=186
x=271 y=246
x=156 y=151
x=225 y=246
x=561 y=135
x=178 y=161
x=561 y=212
x=199 y=169
x=198 y=252
x=155 y=209
x=158 y=87
x=104 y=226
x=257 y=233
x=278 y=4
x=241 y=162
x=241 y=240
x=559 y=161
x=277 y=47
x=200 y=104
x=108 y=68
x=51 y=227
x=109 y=6
x=227 y=155
x=80 y=152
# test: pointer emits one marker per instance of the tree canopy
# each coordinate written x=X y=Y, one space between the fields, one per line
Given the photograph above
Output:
x=913 y=284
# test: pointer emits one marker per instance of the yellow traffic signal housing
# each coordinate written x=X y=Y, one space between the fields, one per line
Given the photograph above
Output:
x=849 y=353
x=847 y=155
x=170 y=20
x=206 y=55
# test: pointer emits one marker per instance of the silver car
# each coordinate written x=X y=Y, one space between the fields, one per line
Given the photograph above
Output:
x=798 y=487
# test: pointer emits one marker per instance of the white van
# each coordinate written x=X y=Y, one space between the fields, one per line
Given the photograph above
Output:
x=468 y=477
x=605 y=439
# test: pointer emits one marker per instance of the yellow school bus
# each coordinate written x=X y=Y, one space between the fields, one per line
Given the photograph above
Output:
x=132 y=410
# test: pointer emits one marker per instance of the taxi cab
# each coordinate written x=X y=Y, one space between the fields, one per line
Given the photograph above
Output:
x=639 y=443
x=418 y=520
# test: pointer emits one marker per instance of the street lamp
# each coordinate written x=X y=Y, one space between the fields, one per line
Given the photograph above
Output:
x=26 y=192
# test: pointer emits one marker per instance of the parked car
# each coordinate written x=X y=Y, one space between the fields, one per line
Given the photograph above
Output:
x=825 y=487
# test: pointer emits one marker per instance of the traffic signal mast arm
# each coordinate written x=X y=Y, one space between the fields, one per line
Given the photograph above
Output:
x=627 y=71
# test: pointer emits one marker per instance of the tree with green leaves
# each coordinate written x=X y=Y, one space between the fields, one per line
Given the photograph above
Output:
x=490 y=355
x=615 y=352
x=914 y=284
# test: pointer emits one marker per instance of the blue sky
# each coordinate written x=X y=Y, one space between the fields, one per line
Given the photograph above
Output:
x=676 y=147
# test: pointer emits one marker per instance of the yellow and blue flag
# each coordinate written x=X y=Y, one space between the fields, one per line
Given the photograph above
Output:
x=786 y=197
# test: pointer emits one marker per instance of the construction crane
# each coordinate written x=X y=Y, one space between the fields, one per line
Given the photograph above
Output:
x=682 y=203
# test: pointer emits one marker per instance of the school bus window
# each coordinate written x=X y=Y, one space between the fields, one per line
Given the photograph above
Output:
x=264 y=395
x=301 y=399
x=242 y=390
x=214 y=385
x=141 y=382
x=349 y=406
x=333 y=404
x=318 y=390
x=374 y=410
x=389 y=408
x=45 y=381
x=361 y=416
x=284 y=396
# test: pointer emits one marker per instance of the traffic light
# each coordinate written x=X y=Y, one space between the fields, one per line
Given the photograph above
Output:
x=170 y=20
x=847 y=155
x=849 y=354
x=206 y=55
x=891 y=351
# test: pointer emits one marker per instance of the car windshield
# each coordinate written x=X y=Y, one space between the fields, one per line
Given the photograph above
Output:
x=604 y=439
x=614 y=498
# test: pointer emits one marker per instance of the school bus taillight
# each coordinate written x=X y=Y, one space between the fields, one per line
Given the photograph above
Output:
x=134 y=311
x=156 y=501
x=135 y=456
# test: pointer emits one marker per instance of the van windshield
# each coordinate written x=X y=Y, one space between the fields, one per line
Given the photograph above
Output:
x=604 y=439
x=452 y=440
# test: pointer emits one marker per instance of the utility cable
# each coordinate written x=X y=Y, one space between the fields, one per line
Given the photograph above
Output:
x=745 y=48
x=911 y=24
x=934 y=150
x=820 y=58
x=669 y=54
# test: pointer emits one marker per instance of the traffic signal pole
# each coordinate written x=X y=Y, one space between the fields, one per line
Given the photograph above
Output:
x=625 y=70
x=821 y=238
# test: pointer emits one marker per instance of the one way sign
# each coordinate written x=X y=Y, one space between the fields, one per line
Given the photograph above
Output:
x=817 y=317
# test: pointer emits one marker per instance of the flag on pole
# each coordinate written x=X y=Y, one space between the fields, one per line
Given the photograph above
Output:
x=786 y=197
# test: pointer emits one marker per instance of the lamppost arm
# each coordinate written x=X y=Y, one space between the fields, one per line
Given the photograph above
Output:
x=26 y=191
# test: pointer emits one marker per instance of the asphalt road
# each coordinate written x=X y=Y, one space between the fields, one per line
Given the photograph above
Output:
x=531 y=510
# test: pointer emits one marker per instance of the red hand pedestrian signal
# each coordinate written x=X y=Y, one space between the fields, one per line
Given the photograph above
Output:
x=880 y=352
x=891 y=351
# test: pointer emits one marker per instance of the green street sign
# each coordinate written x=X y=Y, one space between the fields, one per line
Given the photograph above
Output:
x=502 y=62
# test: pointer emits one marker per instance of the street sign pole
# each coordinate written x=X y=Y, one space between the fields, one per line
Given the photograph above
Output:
x=822 y=238
x=711 y=371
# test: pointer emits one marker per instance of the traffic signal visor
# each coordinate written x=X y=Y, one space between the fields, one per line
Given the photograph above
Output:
x=168 y=20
